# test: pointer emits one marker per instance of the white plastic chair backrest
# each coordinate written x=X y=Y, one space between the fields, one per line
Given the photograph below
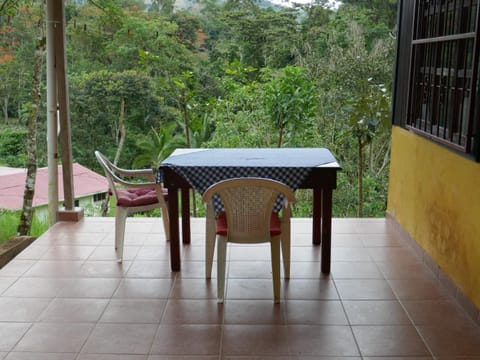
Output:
x=248 y=206
x=108 y=168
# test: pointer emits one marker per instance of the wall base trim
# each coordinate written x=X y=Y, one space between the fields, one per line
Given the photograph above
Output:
x=449 y=285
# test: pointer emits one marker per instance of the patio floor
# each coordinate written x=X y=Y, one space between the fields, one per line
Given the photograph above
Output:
x=65 y=297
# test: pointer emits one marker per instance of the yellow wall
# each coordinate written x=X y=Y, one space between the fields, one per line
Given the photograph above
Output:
x=434 y=194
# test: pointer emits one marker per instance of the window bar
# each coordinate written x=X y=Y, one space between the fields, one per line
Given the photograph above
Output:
x=463 y=90
x=419 y=26
x=448 y=89
x=411 y=114
x=473 y=82
x=434 y=120
x=449 y=68
x=458 y=99
x=427 y=61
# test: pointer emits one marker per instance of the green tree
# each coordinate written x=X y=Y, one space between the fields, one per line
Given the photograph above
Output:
x=157 y=146
x=104 y=105
x=291 y=100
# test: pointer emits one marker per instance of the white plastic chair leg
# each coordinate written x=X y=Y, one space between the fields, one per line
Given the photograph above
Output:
x=285 y=241
x=275 y=253
x=210 y=238
x=221 y=262
x=166 y=223
x=120 y=220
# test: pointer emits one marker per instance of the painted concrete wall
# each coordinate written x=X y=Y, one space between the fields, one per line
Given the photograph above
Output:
x=434 y=194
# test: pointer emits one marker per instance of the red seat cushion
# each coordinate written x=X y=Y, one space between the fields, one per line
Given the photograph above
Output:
x=138 y=197
x=222 y=224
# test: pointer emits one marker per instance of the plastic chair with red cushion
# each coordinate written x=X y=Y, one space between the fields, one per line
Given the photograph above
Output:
x=132 y=197
x=248 y=218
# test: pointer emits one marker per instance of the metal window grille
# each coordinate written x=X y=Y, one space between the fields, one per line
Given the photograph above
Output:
x=443 y=71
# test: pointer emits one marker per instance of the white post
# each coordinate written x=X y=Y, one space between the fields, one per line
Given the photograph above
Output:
x=52 y=115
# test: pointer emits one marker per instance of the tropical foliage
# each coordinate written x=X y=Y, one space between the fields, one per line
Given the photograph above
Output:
x=146 y=79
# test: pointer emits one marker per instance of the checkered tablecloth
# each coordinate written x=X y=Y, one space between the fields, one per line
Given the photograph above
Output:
x=202 y=179
x=202 y=168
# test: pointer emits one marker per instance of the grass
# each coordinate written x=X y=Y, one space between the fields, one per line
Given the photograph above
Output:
x=9 y=222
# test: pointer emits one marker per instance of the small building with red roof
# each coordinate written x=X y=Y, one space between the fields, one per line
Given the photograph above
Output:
x=89 y=188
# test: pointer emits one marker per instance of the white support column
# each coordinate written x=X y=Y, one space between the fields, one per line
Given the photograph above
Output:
x=52 y=116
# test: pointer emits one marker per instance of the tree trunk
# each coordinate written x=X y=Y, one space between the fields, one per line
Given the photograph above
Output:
x=280 y=136
x=360 y=178
x=121 y=132
x=121 y=141
x=5 y=108
x=26 y=216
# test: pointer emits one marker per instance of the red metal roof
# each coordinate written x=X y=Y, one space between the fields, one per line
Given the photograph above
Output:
x=12 y=185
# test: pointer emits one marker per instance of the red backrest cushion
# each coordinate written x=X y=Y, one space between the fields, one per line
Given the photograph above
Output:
x=137 y=197
x=222 y=227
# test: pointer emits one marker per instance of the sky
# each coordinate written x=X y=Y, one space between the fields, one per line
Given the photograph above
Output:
x=333 y=3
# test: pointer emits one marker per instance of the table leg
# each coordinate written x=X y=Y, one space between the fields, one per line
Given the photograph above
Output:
x=186 y=215
x=174 y=231
x=317 y=216
x=326 y=230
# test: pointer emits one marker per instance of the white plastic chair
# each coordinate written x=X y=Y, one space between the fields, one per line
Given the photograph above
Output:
x=132 y=197
x=248 y=218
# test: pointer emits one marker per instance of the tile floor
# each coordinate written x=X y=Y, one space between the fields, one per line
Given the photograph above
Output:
x=65 y=297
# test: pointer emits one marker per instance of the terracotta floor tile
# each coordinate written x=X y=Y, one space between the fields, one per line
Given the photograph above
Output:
x=150 y=269
x=319 y=312
x=187 y=340
x=90 y=288
x=183 y=357
x=254 y=312
x=255 y=340
x=250 y=269
x=305 y=253
x=250 y=289
x=16 y=267
x=40 y=356
x=364 y=289
x=350 y=254
x=55 y=337
x=36 y=287
x=404 y=358
x=418 y=289
x=305 y=270
x=11 y=333
x=109 y=253
x=55 y=268
x=436 y=313
x=104 y=269
x=190 y=311
x=146 y=311
x=154 y=253
x=22 y=309
x=355 y=270
x=245 y=252
x=321 y=340
x=397 y=340
x=110 y=357
x=66 y=252
x=376 y=312
x=74 y=310
x=194 y=289
x=313 y=289
x=78 y=303
x=445 y=341
x=120 y=339
x=195 y=270
x=144 y=288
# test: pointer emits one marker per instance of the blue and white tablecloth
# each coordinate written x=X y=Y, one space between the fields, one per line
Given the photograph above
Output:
x=202 y=168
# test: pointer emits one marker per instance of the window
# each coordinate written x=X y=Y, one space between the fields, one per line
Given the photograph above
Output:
x=443 y=73
x=99 y=197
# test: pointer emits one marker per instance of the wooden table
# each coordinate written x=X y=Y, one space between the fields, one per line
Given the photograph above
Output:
x=299 y=168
